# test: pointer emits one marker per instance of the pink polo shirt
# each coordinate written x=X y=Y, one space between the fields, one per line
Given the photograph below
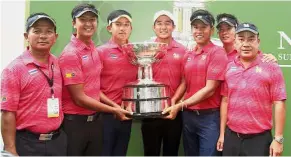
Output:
x=80 y=64
x=168 y=69
x=25 y=90
x=209 y=64
x=250 y=93
x=117 y=70
x=231 y=55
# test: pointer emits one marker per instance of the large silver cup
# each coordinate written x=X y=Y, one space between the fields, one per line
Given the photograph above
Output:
x=145 y=97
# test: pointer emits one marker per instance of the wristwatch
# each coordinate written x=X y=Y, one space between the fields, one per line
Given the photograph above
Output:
x=279 y=139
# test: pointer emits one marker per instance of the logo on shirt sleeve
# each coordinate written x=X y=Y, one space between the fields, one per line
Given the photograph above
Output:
x=3 y=99
x=70 y=75
x=85 y=57
x=32 y=71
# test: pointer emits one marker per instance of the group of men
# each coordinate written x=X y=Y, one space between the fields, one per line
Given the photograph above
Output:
x=221 y=97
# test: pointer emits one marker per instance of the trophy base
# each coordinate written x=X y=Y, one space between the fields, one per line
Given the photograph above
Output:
x=147 y=115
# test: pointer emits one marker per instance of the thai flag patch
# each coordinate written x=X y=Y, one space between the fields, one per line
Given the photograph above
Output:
x=32 y=71
x=113 y=56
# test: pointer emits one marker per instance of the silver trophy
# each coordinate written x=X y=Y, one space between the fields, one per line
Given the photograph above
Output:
x=146 y=98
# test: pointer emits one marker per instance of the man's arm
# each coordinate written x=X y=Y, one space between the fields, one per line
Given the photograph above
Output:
x=8 y=130
x=276 y=148
x=108 y=101
x=179 y=92
x=223 y=119
x=81 y=99
x=204 y=93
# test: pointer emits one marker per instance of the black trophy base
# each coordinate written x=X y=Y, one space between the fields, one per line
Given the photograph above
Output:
x=147 y=115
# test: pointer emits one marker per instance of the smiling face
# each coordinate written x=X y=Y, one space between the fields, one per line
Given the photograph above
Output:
x=120 y=29
x=41 y=36
x=247 y=45
x=201 y=32
x=226 y=33
x=163 y=27
x=85 y=25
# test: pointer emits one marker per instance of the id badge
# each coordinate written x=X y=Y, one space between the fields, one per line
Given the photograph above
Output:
x=53 y=108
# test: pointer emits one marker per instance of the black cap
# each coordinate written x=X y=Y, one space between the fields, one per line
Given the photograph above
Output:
x=80 y=9
x=116 y=14
x=227 y=20
x=247 y=27
x=206 y=19
x=33 y=19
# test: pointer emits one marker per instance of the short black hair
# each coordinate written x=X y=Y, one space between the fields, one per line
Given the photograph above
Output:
x=230 y=16
x=81 y=6
x=201 y=12
x=36 y=14
x=114 y=14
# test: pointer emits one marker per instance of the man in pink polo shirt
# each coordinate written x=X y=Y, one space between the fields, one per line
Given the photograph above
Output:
x=81 y=66
x=226 y=25
x=203 y=73
x=31 y=94
x=165 y=132
x=117 y=72
x=251 y=89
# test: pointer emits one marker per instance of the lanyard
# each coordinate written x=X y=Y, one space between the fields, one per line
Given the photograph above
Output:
x=49 y=80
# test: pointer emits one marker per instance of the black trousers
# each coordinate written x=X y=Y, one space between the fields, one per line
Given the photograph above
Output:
x=84 y=135
x=28 y=144
x=161 y=132
x=116 y=135
x=254 y=145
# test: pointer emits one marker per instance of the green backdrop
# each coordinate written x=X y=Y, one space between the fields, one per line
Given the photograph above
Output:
x=269 y=16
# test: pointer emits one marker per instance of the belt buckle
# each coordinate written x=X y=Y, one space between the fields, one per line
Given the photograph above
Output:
x=238 y=135
x=90 y=118
x=45 y=137
x=197 y=112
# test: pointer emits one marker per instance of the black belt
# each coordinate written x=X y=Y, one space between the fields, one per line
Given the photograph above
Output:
x=203 y=111
x=84 y=118
x=42 y=137
x=246 y=136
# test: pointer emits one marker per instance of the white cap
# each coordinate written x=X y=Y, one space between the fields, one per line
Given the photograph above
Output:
x=118 y=17
x=164 y=12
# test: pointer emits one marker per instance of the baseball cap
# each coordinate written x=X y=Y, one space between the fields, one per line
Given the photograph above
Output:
x=116 y=14
x=227 y=20
x=204 y=18
x=247 y=27
x=164 y=12
x=81 y=9
x=33 y=19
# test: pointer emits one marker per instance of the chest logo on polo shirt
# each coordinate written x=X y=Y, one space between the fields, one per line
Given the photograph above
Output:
x=203 y=57
x=188 y=59
x=32 y=71
x=113 y=56
x=176 y=56
x=258 y=69
x=85 y=57
x=70 y=75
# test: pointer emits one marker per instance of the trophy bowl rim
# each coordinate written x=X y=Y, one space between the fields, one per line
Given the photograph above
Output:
x=141 y=42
